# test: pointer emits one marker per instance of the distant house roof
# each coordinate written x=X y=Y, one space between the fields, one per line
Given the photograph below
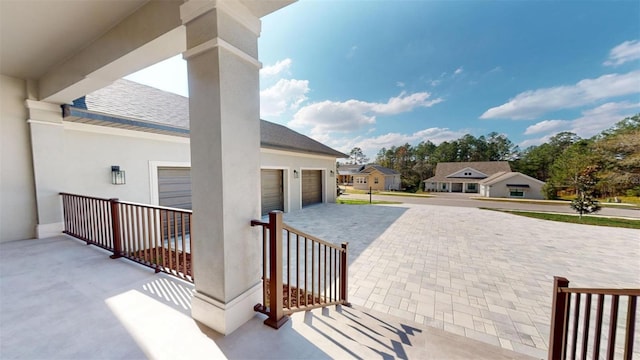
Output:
x=349 y=169
x=445 y=169
x=382 y=169
x=129 y=105
x=501 y=176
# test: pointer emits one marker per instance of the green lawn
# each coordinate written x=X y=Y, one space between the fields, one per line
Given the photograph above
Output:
x=586 y=220
x=363 y=202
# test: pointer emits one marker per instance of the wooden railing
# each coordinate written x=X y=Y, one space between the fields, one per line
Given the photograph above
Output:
x=300 y=272
x=154 y=236
x=571 y=325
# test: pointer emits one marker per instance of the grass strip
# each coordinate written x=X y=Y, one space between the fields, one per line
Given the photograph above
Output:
x=363 y=202
x=575 y=219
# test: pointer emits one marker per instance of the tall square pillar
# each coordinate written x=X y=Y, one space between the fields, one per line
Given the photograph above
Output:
x=224 y=108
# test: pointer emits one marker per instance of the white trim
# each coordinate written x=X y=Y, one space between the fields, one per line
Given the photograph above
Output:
x=42 y=105
x=107 y=130
x=453 y=174
x=49 y=230
x=217 y=42
x=299 y=154
x=154 y=196
x=225 y=317
x=40 y=122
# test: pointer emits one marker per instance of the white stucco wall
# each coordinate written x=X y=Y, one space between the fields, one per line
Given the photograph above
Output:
x=90 y=151
x=17 y=193
x=500 y=188
x=289 y=161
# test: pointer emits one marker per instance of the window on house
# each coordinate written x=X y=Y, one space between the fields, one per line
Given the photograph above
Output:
x=472 y=186
x=375 y=180
x=516 y=193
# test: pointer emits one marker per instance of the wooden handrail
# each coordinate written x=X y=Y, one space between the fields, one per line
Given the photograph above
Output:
x=316 y=271
x=565 y=321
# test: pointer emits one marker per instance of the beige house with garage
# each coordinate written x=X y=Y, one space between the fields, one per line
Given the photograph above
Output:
x=463 y=177
x=512 y=185
x=145 y=132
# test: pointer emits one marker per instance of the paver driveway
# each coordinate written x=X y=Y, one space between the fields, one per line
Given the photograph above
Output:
x=478 y=273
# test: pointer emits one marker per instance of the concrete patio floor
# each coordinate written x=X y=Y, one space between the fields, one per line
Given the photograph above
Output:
x=61 y=299
x=426 y=282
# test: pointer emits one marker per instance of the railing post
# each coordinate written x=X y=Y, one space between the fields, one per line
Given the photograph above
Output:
x=115 y=229
x=558 y=319
x=276 y=314
x=344 y=275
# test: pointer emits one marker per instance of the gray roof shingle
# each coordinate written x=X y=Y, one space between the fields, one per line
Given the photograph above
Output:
x=143 y=107
x=489 y=168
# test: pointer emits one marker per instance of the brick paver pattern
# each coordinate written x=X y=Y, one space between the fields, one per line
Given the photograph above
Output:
x=481 y=274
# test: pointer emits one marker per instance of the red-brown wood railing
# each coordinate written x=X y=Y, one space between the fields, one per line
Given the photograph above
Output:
x=300 y=272
x=154 y=236
x=571 y=325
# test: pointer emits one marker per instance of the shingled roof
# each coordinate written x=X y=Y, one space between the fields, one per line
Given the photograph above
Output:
x=129 y=105
x=444 y=169
x=382 y=169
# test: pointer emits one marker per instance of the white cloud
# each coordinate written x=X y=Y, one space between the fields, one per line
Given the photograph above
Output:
x=352 y=52
x=400 y=84
x=625 y=52
x=277 y=68
x=331 y=116
x=371 y=145
x=592 y=122
x=458 y=71
x=435 y=83
x=532 y=103
x=286 y=94
x=546 y=126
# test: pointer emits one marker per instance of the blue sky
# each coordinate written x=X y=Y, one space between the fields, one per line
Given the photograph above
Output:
x=375 y=74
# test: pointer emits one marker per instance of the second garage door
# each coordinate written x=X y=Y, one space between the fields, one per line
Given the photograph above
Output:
x=174 y=187
x=272 y=190
x=311 y=187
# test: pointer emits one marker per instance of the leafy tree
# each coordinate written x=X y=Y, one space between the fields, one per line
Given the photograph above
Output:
x=357 y=156
x=585 y=185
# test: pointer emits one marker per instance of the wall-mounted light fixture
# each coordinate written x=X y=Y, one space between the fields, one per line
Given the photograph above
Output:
x=117 y=176
x=331 y=173
x=295 y=174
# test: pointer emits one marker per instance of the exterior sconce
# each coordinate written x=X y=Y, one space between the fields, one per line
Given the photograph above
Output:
x=117 y=175
x=331 y=173
x=295 y=174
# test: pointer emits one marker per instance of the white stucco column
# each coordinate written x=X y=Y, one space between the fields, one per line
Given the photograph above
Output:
x=224 y=106
x=47 y=150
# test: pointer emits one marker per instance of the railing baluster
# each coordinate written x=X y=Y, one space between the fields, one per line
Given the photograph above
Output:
x=585 y=326
x=306 y=271
x=288 y=269
x=313 y=268
x=184 y=243
x=631 y=324
x=576 y=318
x=298 y=270
x=558 y=315
x=344 y=295
x=613 y=321
x=598 y=329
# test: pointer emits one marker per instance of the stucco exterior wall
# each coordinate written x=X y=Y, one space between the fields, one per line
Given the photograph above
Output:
x=500 y=188
x=17 y=191
x=90 y=151
x=289 y=161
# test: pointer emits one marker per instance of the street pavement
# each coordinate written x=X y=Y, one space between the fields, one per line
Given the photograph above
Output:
x=467 y=200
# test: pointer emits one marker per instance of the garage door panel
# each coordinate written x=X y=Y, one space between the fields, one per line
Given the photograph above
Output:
x=311 y=187
x=272 y=190
x=174 y=187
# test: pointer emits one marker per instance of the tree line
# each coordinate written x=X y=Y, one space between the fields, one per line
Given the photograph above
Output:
x=612 y=157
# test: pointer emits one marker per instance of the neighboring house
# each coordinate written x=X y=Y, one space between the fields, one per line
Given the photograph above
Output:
x=346 y=173
x=377 y=177
x=511 y=184
x=463 y=177
x=145 y=131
